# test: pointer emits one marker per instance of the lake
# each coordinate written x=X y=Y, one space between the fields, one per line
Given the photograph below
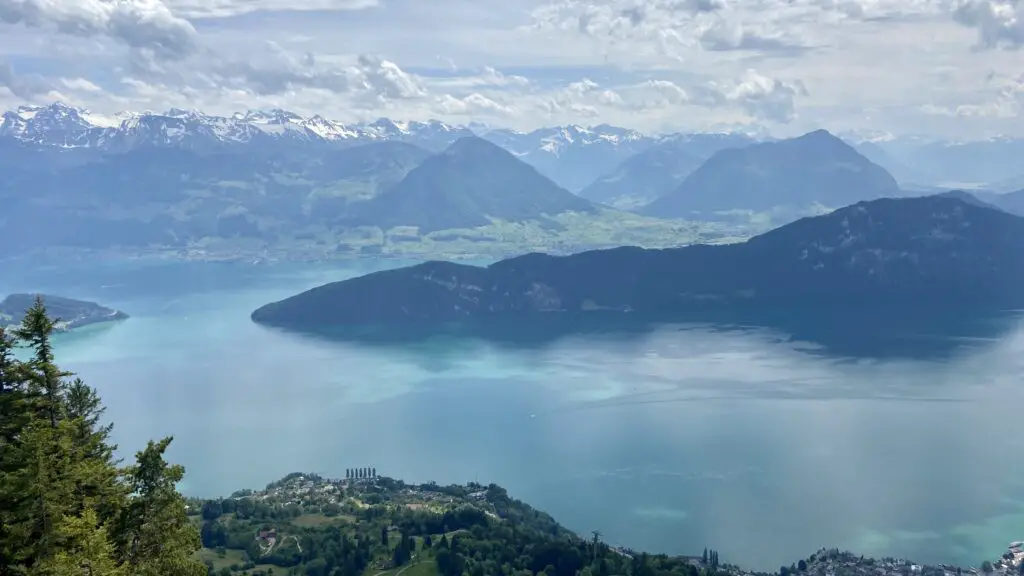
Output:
x=750 y=440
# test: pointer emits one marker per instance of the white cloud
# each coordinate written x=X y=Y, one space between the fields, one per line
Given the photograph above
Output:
x=25 y=86
x=142 y=24
x=999 y=22
x=227 y=8
x=788 y=65
x=1006 y=100
x=473 y=105
x=768 y=98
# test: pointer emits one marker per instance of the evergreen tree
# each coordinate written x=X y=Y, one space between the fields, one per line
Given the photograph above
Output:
x=14 y=418
x=92 y=553
x=156 y=537
x=401 y=553
x=65 y=509
x=44 y=378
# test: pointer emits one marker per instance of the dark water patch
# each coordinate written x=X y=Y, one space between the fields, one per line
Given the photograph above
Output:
x=853 y=333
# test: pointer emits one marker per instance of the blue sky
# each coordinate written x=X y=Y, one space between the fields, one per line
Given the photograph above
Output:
x=950 y=68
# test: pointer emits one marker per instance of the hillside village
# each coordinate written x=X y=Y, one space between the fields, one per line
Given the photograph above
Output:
x=258 y=532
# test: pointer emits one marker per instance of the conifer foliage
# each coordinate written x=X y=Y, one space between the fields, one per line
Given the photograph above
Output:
x=66 y=508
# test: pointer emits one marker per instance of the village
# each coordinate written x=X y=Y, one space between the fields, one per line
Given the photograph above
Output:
x=310 y=496
x=836 y=563
x=312 y=493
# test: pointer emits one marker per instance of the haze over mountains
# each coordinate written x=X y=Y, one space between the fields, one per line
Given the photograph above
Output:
x=183 y=180
x=814 y=169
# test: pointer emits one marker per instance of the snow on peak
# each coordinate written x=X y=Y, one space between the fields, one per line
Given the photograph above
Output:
x=61 y=125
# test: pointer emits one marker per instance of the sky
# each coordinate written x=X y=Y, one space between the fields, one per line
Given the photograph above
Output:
x=945 y=68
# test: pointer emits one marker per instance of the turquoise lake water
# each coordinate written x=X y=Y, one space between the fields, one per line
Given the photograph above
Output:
x=760 y=444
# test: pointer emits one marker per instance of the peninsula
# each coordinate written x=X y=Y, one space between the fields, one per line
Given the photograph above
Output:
x=67 y=313
x=926 y=253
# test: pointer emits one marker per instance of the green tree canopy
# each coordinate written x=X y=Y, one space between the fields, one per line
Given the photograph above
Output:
x=66 y=509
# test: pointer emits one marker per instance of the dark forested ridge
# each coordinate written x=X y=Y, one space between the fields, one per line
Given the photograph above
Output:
x=929 y=252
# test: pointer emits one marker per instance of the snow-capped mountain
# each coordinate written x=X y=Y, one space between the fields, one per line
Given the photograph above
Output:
x=59 y=125
x=63 y=126
x=571 y=155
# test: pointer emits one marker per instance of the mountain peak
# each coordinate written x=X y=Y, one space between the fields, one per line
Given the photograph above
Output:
x=468 y=146
x=819 y=134
x=470 y=184
x=821 y=140
x=815 y=169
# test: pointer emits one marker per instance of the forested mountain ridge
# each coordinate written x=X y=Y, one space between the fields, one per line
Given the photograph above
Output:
x=933 y=251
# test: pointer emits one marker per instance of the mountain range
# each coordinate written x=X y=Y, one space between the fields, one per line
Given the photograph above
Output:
x=275 y=181
x=574 y=157
x=924 y=253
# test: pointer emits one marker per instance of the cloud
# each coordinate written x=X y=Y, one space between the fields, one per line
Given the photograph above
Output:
x=725 y=35
x=881 y=10
x=195 y=9
x=660 y=27
x=369 y=80
x=652 y=95
x=26 y=86
x=759 y=97
x=1006 y=100
x=765 y=98
x=473 y=105
x=140 y=24
x=999 y=22
x=581 y=99
x=894 y=65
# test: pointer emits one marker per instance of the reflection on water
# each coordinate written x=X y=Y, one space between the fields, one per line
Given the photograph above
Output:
x=764 y=441
x=876 y=333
